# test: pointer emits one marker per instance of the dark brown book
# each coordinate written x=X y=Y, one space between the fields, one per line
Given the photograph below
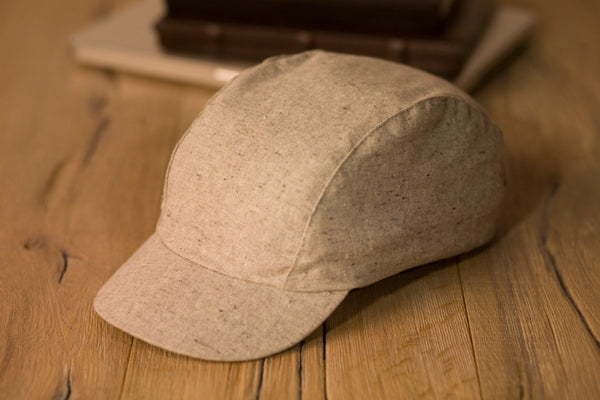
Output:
x=370 y=16
x=441 y=52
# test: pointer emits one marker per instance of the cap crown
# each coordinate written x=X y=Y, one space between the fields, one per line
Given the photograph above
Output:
x=323 y=171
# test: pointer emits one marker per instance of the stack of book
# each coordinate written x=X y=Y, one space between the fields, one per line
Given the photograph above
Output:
x=434 y=35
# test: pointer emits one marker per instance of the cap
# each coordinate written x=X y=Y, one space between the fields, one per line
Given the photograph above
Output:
x=307 y=176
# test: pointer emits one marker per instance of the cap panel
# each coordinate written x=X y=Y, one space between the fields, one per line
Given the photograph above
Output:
x=244 y=181
x=423 y=186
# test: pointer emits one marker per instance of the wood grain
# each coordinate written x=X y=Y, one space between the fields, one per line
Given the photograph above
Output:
x=406 y=336
x=83 y=154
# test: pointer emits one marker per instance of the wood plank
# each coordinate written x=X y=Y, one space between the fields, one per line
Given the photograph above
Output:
x=42 y=107
x=281 y=376
x=528 y=339
x=85 y=182
x=150 y=368
x=313 y=366
x=404 y=337
x=532 y=297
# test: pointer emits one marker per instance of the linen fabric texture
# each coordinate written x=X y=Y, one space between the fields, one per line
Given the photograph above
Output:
x=307 y=176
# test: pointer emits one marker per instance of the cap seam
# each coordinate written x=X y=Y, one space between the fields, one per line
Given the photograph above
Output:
x=347 y=156
x=183 y=137
x=237 y=278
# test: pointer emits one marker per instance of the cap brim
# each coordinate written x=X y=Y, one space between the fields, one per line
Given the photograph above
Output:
x=168 y=301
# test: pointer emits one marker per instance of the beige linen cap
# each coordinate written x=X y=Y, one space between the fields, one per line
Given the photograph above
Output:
x=307 y=176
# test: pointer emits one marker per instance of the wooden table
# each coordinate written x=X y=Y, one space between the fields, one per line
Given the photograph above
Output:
x=83 y=154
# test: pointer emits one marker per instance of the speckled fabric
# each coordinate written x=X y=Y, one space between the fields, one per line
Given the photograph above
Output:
x=305 y=177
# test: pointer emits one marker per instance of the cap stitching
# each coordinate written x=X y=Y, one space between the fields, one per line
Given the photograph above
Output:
x=187 y=132
x=347 y=156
